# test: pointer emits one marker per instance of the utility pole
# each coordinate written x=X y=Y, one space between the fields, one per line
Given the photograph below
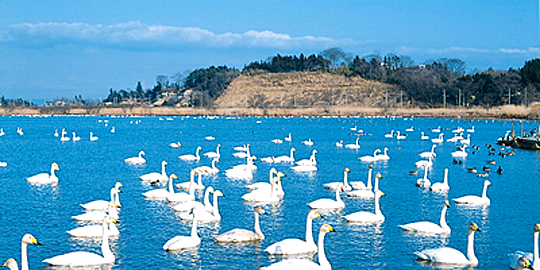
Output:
x=402 y=99
x=444 y=98
x=509 y=96
x=386 y=97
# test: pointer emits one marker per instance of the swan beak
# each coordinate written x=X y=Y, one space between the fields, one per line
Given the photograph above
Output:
x=114 y=220
x=347 y=170
x=537 y=228
x=371 y=166
x=35 y=242
x=119 y=191
x=447 y=204
x=379 y=176
x=331 y=229
x=318 y=215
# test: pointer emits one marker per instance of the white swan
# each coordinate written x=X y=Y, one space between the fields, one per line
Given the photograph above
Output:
x=12 y=264
x=292 y=246
x=185 y=242
x=136 y=160
x=430 y=153
x=423 y=182
x=471 y=130
x=161 y=194
x=272 y=194
x=436 y=130
x=188 y=205
x=75 y=137
x=366 y=193
x=339 y=144
x=427 y=227
x=326 y=203
x=458 y=130
x=344 y=185
x=243 y=235
x=102 y=204
x=191 y=182
x=456 y=138
x=63 y=138
x=308 y=162
x=411 y=129
x=206 y=216
x=264 y=185
x=423 y=137
x=447 y=255
x=213 y=154
x=92 y=137
x=424 y=163
x=400 y=137
x=175 y=145
x=96 y=216
x=243 y=148
x=467 y=140
x=179 y=197
x=277 y=141
x=370 y=158
x=45 y=178
x=95 y=231
x=438 y=139
x=362 y=185
x=532 y=257
x=323 y=264
x=475 y=200
x=353 y=145
x=245 y=152
x=309 y=142
x=289 y=138
x=441 y=187
x=195 y=157
x=20 y=131
x=461 y=153
x=207 y=170
x=156 y=177
x=389 y=135
x=384 y=156
x=83 y=258
x=368 y=217
x=289 y=158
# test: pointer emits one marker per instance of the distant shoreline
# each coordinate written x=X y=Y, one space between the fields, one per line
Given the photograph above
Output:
x=505 y=112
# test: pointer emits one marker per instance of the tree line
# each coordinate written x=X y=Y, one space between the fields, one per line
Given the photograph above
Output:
x=435 y=83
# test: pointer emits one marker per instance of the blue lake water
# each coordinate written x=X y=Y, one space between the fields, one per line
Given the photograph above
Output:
x=90 y=169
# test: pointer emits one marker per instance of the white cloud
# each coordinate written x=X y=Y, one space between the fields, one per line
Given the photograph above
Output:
x=137 y=34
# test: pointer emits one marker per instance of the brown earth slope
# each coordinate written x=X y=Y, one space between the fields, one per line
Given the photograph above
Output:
x=304 y=89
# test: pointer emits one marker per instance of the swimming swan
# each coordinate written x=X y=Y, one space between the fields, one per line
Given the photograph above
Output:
x=384 y=156
x=344 y=185
x=366 y=193
x=430 y=153
x=92 y=137
x=266 y=185
x=368 y=217
x=161 y=193
x=206 y=170
x=423 y=182
x=83 y=258
x=45 y=178
x=243 y=235
x=206 y=216
x=136 y=160
x=95 y=216
x=441 y=187
x=292 y=246
x=438 y=139
x=12 y=264
x=156 y=177
x=362 y=185
x=323 y=264
x=353 y=145
x=326 y=203
x=188 y=205
x=195 y=157
x=370 y=158
x=461 y=153
x=427 y=227
x=475 y=200
x=289 y=158
x=447 y=255
x=532 y=257
x=184 y=242
x=271 y=195
x=95 y=231
x=102 y=204
x=213 y=154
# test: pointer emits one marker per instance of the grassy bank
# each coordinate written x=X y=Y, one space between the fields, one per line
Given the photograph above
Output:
x=504 y=112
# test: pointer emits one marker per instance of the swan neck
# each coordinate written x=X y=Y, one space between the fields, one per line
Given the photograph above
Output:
x=309 y=231
x=484 y=192
x=207 y=198
x=376 y=184
x=535 y=248
x=369 y=179
x=377 y=205
x=338 y=198
x=345 y=179
x=105 y=249
x=163 y=169
x=171 y=187
x=52 y=171
x=256 y=226
x=323 y=261
x=214 y=163
x=215 y=210
x=199 y=179
x=24 y=257
x=194 y=227
x=443 y=218
x=197 y=154
x=445 y=177
x=470 y=248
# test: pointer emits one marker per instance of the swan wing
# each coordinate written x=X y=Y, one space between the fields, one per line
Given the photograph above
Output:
x=471 y=199
x=90 y=216
x=443 y=255
x=42 y=178
x=157 y=194
x=362 y=216
x=78 y=258
x=181 y=242
x=423 y=227
x=96 y=205
x=293 y=264
x=291 y=246
x=238 y=235
x=361 y=193
x=325 y=203
x=154 y=177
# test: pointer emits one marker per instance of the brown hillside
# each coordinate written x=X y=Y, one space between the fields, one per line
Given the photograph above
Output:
x=305 y=89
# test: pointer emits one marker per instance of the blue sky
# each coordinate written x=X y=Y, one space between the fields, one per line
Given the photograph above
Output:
x=51 y=49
